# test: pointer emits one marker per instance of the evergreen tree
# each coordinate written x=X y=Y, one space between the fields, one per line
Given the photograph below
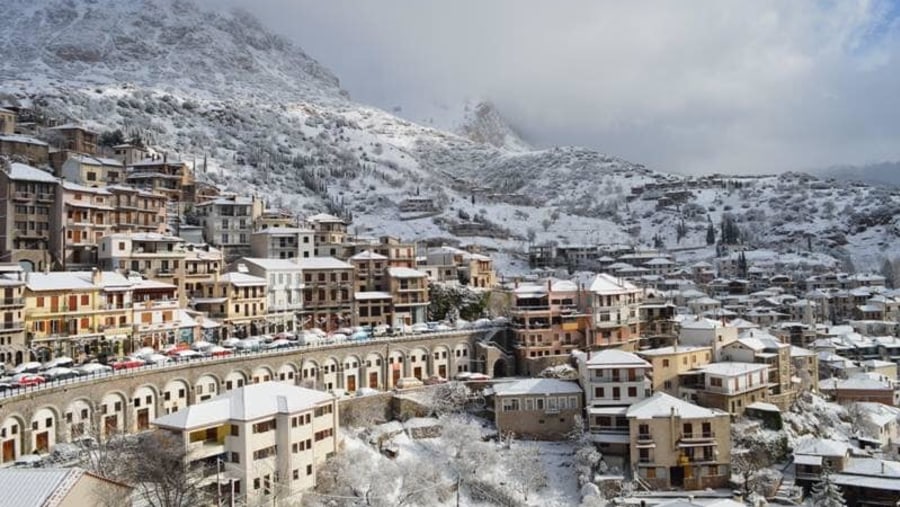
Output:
x=826 y=493
x=887 y=271
x=710 y=234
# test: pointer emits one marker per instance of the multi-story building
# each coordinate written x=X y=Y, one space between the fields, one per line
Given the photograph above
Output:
x=549 y=321
x=236 y=299
x=756 y=346
x=86 y=216
x=129 y=154
x=228 y=223
x=328 y=301
x=173 y=179
x=729 y=386
x=93 y=171
x=137 y=210
x=154 y=256
x=275 y=218
x=542 y=409
x=676 y=444
x=615 y=312
x=34 y=151
x=373 y=308
x=409 y=295
x=398 y=253
x=7 y=121
x=707 y=333
x=805 y=368
x=284 y=298
x=159 y=319
x=76 y=138
x=27 y=197
x=370 y=268
x=263 y=441
x=201 y=264
x=331 y=233
x=13 y=347
x=473 y=269
x=612 y=380
x=669 y=363
x=78 y=313
x=282 y=243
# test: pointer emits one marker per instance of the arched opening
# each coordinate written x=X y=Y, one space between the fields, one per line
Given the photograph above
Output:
x=499 y=369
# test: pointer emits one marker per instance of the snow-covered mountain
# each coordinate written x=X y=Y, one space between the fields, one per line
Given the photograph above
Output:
x=272 y=120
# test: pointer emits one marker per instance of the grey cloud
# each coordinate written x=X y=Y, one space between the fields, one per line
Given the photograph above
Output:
x=726 y=86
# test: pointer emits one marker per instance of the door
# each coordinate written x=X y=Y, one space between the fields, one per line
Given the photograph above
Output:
x=351 y=383
x=395 y=375
x=143 y=419
x=417 y=372
x=9 y=451
x=442 y=371
x=373 y=380
x=42 y=441
x=676 y=475
x=110 y=424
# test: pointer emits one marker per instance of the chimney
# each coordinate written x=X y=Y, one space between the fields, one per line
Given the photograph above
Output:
x=96 y=276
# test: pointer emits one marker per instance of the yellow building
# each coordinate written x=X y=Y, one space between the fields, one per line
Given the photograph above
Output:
x=671 y=362
x=78 y=313
x=676 y=444
x=237 y=300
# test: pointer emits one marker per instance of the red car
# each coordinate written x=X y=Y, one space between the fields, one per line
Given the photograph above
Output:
x=28 y=379
x=128 y=362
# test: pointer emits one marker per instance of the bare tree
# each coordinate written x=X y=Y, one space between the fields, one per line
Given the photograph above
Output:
x=448 y=398
x=524 y=469
x=163 y=477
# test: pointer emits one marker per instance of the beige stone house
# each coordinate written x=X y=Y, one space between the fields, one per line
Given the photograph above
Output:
x=669 y=363
x=29 y=216
x=543 y=409
x=327 y=293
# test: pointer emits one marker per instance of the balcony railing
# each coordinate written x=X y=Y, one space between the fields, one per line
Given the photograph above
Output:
x=11 y=324
x=45 y=197
x=25 y=196
x=609 y=429
x=4 y=302
x=697 y=435
x=644 y=438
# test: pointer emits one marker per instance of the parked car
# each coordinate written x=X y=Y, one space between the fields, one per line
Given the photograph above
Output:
x=29 y=461
x=278 y=344
x=231 y=343
x=128 y=363
x=158 y=359
x=60 y=362
x=382 y=330
x=31 y=367
x=6 y=386
x=419 y=328
x=435 y=379
x=94 y=369
x=60 y=373
x=248 y=345
x=408 y=383
x=337 y=338
x=201 y=345
x=360 y=336
x=440 y=327
x=188 y=355
x=217 y=351
x=28 y=380
x=144 y=352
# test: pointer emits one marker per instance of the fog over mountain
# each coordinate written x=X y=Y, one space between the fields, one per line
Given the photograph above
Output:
x=723 y=87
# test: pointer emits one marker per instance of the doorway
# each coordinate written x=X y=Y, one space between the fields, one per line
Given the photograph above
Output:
x=499 y=369
x=143 y=419
x=41 y=442
x=373 y=380
x=351 y=383
x=676 y=476
x=442 y=371
x=9 y=451
x=417 y=372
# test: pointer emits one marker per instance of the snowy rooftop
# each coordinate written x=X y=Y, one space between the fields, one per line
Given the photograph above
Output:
x=733 y=368
x=821 y=447
x=607 y=284
x=323 y=263
x=15 y=138
x=615 y=357
x=324 y=218
x=246 y=403
x=277 y=231
x=30 y=487
x=368 y=255
x=24 y=172
x=367 y=295
x=664 y=405
x=73 y=280
x=405 y=273
x=537 y=386
x=272 y=264
x=675 y=349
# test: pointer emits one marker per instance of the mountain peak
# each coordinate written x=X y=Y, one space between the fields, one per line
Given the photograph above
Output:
x=483 y=123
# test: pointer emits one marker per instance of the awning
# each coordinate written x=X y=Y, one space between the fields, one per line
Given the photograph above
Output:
x=607 y=410
x=645 y=446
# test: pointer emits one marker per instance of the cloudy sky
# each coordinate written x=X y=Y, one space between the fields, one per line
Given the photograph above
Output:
x=717 y=85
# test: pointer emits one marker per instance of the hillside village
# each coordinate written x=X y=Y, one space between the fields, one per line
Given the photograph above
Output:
x=682 y=375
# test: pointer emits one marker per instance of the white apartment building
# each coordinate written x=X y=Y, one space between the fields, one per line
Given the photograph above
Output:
x=283 y=243
x=266 y=440
x=707 y=333
x=284 y=294
x=615 y=312
x=228 y=222
x=612 y=380
x=731 y=386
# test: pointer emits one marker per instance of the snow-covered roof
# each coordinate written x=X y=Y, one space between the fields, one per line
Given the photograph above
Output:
x=278 y=231
x=75 y=187
x=405 y=273
x=92 y=160
x=368 y=255
x=701 y=324
x=761 y=405
x=74 y=280
x=16 y=138
x=37 y=487
x=537 y=386
x=247 y=403
x=72 y=126
x=616 y=357
x=664 y=405
x=272 y=264
x=144 y=236
x=323 y=263
x=607 y=284
x=821 y=447
x=324 y=218
x=24 y=172
x=865 y=381
x=728 y=368
x=674 y=349
x=241 y=279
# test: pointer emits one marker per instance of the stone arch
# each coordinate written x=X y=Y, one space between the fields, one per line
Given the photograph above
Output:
x=262 y=373
x=79 y=417
x=499 y=368
x=44 y=425
x=441 y=358
x=287 y=373
x=352 y=367
x=309 y=372
x=206 y=386
x=374 y=376
x=397 y=366
x=175 y=395
x=329 y=374
x=235 y=379
x=112 y=413
x=12 y=434
x=462 y=357
x=419 y=362
x=144 y=403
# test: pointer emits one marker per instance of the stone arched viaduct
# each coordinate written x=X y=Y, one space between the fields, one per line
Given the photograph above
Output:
x=128 y=401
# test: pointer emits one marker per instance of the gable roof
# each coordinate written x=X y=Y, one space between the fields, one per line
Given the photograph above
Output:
x=664 y=405
x=246 y=403
x=537 y=386
x=610 y=357
x=368 y=255
x=608 y=284
x=24 y=172
x=323 y=263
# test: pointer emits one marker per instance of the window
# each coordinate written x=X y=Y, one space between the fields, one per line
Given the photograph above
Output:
x=632 y=392
x=296 y=474
x=616 y=393
x=256 y=483
x=510 y=404
x=308 y=469
x=235 y=457
x=264 y=426
x=322 y=435
x=651 y=473
x=235 y=430
x=265 y=452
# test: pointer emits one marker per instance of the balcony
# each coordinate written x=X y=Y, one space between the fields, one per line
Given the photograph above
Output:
x=622 y=430
x=46 y=197
x=13 y=325
x=7 y=302
x=644 y=438
x=23 y=196
x=696 y=437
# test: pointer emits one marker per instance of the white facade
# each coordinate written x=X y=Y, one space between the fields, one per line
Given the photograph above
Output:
x=283 y=243
x=271 y=437
x=284 y=282
x=707 y=333
x=735 y=378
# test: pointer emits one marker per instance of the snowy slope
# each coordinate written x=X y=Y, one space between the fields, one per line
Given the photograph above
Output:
x=271 y=120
